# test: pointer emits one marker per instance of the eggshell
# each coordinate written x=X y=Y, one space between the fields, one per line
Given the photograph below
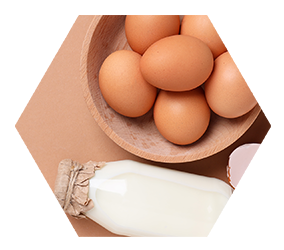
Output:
x=177 y=63
x=182 y=117
x=226 y=91
x=143 y=30
x=229 y=32
x=123 y=86
x=249 y=167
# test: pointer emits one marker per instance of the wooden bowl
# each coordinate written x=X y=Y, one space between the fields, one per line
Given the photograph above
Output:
x=140 y=135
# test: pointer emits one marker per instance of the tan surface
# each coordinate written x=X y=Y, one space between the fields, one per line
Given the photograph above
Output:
x=57 y=124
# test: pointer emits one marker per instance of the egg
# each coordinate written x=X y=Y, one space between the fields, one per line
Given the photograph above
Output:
x=229 y=32
x=143 y=30
x=181 y=117
x=177 y=63
x=122 y=85
x=227 y=91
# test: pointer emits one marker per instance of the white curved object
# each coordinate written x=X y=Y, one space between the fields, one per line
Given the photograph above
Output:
x=136 y=199
x=249 y=167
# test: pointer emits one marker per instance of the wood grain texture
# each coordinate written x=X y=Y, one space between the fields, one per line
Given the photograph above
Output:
x=140 y=136
x=56 y=124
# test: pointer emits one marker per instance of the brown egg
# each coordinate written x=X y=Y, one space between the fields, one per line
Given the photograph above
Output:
x=227 y=90
x=229 y=32
x=177 y=63
x=182 y=117
x=123 y=86
x=143 y=30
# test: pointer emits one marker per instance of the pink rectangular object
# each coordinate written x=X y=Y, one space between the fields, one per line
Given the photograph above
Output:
x=249 y=167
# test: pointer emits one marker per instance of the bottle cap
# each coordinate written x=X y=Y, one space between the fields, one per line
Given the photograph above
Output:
x=72 y=186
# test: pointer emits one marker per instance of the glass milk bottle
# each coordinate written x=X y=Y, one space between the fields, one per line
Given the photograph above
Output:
x=136 y=199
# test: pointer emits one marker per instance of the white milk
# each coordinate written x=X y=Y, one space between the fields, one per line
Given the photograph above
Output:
x=136 y=199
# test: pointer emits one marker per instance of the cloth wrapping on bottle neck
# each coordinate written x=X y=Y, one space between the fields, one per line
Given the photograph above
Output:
x=72 y=186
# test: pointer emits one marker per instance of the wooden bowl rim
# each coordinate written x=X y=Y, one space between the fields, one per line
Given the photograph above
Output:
x=120 y=141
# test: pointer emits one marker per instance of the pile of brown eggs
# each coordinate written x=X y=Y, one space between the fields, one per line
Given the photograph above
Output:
x=181 y=68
